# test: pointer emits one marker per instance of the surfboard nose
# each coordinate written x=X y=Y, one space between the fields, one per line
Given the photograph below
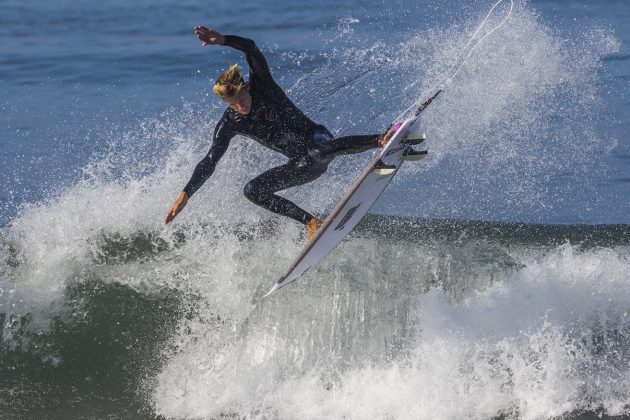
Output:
x=272 y=290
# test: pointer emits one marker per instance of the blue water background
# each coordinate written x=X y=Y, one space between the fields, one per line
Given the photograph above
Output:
x=74 y=75
x=106 y=313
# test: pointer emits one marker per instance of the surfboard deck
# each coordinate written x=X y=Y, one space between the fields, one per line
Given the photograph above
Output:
x=355 y=204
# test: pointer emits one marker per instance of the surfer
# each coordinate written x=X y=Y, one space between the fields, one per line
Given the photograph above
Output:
x=259 y=109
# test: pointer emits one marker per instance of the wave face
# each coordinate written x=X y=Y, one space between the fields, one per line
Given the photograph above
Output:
x=404 y=318
x=503 y=319
x=422 y=313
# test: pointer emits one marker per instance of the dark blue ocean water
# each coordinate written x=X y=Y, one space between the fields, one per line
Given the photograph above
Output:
x=491 y=280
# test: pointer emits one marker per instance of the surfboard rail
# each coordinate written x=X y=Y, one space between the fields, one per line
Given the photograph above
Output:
x=352 y=206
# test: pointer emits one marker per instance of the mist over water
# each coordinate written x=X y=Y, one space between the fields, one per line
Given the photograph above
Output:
x=411 y=317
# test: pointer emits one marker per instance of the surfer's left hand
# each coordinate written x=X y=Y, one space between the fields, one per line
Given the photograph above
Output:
x=208 y=36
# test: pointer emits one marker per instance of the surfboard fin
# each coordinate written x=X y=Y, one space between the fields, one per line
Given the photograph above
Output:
x=413 y=139
x=382 y=168
x=411 y=155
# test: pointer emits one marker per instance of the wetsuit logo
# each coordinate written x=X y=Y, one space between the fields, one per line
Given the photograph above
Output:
x=270 y=113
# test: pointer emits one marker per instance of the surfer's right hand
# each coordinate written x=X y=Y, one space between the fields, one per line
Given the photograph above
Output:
x=177 y=206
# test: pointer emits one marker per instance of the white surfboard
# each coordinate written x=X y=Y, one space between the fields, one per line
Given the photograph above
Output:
x=356 y=202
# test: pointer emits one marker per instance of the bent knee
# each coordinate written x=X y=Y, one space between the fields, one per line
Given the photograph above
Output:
x=254 y=193
x=249 y=191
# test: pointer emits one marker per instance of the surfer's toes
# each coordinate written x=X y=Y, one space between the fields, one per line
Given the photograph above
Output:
x=312 y=227
x=384 y=138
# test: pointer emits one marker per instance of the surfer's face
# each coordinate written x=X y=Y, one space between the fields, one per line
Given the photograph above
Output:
x=241 y=102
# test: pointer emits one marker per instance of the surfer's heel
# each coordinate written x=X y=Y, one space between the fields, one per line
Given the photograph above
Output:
x=411 y=155
x=382 y=168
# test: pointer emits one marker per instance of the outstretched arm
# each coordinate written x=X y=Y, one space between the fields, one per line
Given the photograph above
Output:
x=203 y=170
x=255 y=59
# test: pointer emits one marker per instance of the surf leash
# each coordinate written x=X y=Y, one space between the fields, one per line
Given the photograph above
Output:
x=442 y=84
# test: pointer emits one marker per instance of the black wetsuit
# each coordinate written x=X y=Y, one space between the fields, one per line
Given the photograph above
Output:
x=275 y=122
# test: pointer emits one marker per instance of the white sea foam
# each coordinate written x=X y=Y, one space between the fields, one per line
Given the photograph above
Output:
x=522 y=112
x=547 y=339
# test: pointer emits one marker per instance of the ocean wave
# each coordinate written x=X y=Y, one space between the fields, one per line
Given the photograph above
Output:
x=411 y=313
x=543 y=335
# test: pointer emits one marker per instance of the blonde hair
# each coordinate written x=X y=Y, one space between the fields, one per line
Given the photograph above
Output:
x=229 y=83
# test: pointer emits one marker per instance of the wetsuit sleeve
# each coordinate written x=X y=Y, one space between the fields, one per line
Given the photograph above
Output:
x=255 y=59
x=205 y=168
